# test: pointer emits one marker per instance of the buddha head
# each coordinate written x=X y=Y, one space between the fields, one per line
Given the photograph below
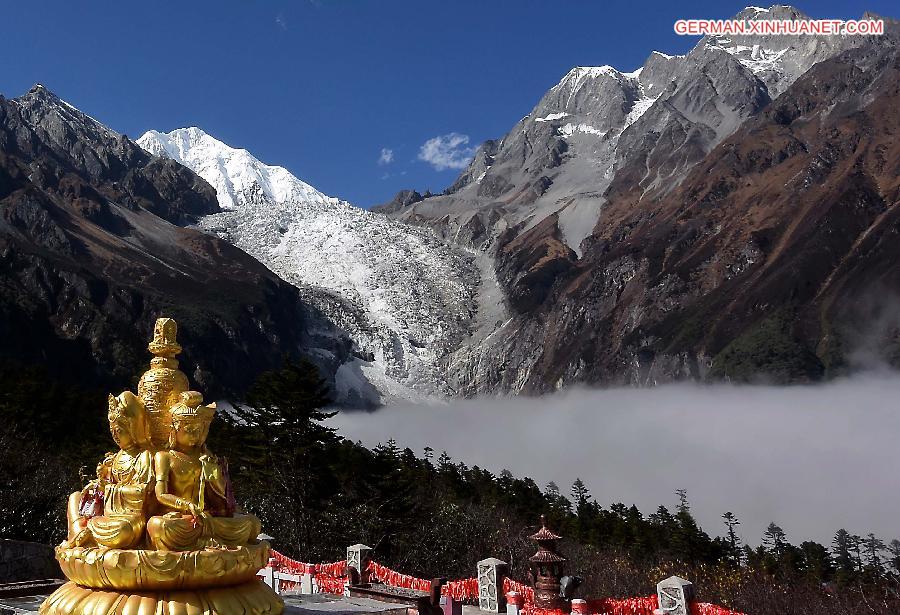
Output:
x=190 y=421
x=128 y=421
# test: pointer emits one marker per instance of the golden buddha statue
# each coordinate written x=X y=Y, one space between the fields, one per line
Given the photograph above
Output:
x=124 y=481
x=156 y=533
x=193 y=485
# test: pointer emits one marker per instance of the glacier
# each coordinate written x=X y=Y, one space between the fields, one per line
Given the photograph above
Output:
x=405 y=297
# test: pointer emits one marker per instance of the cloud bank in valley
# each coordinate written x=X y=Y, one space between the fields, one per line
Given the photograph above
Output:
x=811 y=458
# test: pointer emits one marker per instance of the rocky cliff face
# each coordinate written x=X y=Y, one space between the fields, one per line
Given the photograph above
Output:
x=558 y=161
x=574 y=204
x=92 y=252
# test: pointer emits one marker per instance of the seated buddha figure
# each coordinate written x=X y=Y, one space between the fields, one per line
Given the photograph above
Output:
x=192 y=485
x=124 y=482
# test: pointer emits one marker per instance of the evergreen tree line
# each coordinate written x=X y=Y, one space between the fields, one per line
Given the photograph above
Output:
x=425 y=513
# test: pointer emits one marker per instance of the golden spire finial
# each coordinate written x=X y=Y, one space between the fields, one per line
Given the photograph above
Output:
x=164 y=342
x=162 y=384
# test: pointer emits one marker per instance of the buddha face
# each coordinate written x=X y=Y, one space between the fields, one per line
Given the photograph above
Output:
x=189 y=434
x=122 y=433
x=127 y=421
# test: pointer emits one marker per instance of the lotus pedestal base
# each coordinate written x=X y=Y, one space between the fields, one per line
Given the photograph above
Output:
x=209 y=581
x=253 y=598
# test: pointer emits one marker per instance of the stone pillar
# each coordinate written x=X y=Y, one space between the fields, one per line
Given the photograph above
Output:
x=268 y=575
x=675 y=595
x=306 y=584
x=514 y=603
x=357 y=558
x=491 y=572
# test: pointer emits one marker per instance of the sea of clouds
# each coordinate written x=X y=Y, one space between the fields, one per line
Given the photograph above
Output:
x=810 y=458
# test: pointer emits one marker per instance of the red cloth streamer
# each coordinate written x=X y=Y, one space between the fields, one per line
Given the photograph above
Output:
x=330 y=585
x=624 y=606
x=334 y=569
x=461 y=590
x=396 y=579
x=331 y=578
x=514 y=586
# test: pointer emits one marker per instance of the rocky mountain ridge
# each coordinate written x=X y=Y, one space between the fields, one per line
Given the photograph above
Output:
x=92 y=251
x=548 y=201
x=727 y=213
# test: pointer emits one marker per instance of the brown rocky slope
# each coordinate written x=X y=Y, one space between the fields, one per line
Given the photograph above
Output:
x=92 y=252
x=776 y=257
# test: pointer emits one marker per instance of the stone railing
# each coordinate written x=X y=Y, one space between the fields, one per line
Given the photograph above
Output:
x=490 y=589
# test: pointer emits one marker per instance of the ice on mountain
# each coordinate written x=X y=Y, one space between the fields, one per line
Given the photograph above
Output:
x=405 y=297
x=570 y=129
x=551 y=117
x=640 y=107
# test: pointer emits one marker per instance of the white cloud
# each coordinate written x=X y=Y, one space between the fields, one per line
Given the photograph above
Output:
x=447 y=151
x=386 y=157
x=281 y=21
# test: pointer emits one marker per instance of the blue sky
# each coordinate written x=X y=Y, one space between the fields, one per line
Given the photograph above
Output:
x=343 y=93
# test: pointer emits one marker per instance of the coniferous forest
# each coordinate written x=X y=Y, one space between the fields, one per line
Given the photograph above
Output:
x=425 y=513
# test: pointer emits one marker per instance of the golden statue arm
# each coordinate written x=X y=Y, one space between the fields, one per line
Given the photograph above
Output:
x=161 y=465
x=213 y=475
x=104 y=470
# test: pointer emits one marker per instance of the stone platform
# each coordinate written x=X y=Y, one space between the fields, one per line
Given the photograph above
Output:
x=315 y=604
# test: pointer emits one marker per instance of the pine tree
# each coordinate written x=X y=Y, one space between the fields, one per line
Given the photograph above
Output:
x=683 y=505
x=816 y=561
x=775 y=540
x=842 y=548
x=580 y=493
x=689 y=542
x=663 y=518
x=856 y=542
x=389 y=450
x=894 y=549
x=284 y=449
x=734 y=550
x=873 y=547
x=445 y=463
x=552 y=490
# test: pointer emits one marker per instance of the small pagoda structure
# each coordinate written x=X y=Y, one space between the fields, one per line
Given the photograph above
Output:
x=546 y=569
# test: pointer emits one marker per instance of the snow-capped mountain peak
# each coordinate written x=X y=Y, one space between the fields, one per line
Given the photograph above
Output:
x=406 y=298
x=777 y=60
x=239 y=178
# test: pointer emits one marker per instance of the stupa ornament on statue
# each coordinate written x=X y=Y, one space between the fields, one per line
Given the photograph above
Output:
x=161 y=386
x=157 y=532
